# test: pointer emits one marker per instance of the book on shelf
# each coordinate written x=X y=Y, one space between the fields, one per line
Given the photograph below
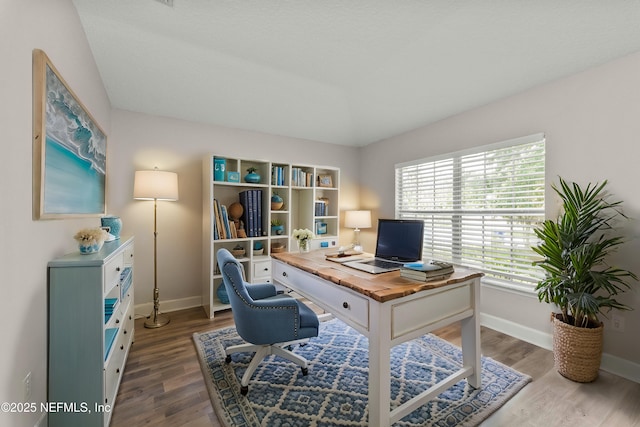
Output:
x=126 y=279
x=109 y=338
x=225 y=222
x=258 y=195
x=433 y=270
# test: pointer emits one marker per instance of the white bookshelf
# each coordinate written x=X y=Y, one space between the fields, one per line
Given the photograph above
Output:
x=300 y=189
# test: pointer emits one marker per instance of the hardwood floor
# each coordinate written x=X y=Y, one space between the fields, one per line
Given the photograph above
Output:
x=163 y=384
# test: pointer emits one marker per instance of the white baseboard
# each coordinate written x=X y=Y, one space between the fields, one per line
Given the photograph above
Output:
x=524 y=333
x=167 y=306
x=612 y=364
x=621 y=367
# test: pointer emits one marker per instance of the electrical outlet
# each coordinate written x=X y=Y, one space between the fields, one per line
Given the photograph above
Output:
x=27 y=387
x=617 y=322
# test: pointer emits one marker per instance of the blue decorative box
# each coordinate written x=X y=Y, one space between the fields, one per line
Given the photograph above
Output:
x=233 y=176
x=321 y=228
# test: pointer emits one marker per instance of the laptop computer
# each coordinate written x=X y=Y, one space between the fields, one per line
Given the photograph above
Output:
x=399 y=241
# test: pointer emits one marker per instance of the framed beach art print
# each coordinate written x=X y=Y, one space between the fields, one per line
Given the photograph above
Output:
x=69 y=149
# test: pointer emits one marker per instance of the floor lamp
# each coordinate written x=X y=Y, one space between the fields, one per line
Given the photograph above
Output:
x=155 y=185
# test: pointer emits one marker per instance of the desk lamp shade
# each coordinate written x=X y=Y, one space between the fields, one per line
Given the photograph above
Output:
x=357 y=220
x=155 y=185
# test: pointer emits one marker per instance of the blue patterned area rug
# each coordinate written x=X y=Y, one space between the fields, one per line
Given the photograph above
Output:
x=334 y=393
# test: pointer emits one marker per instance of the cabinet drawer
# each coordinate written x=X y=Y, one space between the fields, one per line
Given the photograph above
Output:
x=126 y=299
x=339 y=301
x=112 y=271
x=115 y=365
x=113 y=372
x=128 y=256
x=261 y=269
x=126 y=320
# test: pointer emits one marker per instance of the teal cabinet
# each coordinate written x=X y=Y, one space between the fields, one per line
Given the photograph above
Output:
x=91 y=329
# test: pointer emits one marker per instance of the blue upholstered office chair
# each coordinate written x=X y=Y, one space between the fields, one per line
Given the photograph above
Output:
x=265 y=320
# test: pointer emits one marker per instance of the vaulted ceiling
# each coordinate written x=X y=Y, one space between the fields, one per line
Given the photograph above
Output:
x=347 y=72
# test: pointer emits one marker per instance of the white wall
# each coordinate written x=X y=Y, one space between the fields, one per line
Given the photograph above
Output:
x=140 y=141
x=592 y=130
x=28 y=245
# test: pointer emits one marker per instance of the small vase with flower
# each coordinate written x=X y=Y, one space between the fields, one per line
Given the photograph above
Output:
x=303 y=238
x=90 y=240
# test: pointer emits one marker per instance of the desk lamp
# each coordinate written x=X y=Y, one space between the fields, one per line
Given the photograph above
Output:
x=155 y=185
x=357 y=220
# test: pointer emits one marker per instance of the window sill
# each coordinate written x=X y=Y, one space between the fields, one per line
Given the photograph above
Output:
x=506 y=286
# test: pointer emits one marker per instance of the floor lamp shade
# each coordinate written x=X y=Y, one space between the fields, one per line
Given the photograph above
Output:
x=155 y=185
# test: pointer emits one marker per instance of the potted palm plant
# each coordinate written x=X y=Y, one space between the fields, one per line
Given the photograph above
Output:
x=575 y=251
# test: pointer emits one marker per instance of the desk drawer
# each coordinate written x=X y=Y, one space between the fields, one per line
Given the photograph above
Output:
x=339 y=301
x=431 y=307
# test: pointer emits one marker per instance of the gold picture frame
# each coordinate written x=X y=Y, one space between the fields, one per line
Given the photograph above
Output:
x=69 y=149
x=325 y=181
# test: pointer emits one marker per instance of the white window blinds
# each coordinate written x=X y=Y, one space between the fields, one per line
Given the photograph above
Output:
x=480 y=206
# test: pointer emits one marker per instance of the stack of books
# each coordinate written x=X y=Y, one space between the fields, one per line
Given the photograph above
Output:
x=251 y=201
x=278 y=174
x=427 y=271
x=109 y=305
x=301 y=178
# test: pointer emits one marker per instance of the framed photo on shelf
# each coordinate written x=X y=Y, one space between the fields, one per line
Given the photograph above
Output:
x=69 y=149
x=325 y=181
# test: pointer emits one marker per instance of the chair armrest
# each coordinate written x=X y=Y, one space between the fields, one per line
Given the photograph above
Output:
x=261 y=291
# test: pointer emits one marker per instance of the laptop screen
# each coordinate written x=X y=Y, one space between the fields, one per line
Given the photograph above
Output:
x=400 y=239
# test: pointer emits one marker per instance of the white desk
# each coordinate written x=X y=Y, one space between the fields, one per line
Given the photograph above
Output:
x=389 y=309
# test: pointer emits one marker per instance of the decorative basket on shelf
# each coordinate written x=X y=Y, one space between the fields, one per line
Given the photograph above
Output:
x=238 y=251
x=277 y=248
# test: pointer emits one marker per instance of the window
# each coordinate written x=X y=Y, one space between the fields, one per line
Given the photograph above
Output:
x=479 y=206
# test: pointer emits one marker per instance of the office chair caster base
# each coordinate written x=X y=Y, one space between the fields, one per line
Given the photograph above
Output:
x=244 y=390
x=305 y=371
x=227 y=359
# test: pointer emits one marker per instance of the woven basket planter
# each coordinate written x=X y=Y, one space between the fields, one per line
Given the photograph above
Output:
x=577 y=351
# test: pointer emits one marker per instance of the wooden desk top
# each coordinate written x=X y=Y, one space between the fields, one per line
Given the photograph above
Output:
x=380 y=287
